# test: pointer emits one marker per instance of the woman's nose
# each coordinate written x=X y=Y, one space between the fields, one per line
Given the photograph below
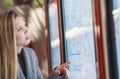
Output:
x=27 y=30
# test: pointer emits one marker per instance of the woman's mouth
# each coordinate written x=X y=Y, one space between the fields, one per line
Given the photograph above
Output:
x=27 y=38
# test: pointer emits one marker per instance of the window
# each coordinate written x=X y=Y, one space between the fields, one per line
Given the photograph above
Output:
x=116 y=16
x=79 y=38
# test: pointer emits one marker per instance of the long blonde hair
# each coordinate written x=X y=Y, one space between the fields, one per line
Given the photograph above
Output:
x=8 y=54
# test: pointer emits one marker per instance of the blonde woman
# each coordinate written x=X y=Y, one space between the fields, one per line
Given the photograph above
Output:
x=17 y=61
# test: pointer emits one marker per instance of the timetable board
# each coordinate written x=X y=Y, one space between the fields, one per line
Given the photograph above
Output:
x=79 y=38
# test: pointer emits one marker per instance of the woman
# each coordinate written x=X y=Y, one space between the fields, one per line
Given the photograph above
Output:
x=17 y=61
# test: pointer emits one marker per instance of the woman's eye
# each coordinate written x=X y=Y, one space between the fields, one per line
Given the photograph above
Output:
x=25 y=25
x=19 y=29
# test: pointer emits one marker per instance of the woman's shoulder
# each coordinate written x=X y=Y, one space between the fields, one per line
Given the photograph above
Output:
x=29 y=52
x=30 y=56
x=28 y=49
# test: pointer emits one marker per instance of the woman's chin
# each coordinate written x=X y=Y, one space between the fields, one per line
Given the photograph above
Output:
x=27 y=42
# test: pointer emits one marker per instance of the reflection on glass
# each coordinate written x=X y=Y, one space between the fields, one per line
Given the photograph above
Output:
x=116 y=16
x=79 y=38
x=54 y=36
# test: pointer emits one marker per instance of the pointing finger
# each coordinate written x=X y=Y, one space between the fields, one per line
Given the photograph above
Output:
x=65 y=64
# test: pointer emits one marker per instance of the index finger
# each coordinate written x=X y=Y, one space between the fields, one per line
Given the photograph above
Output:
x=65 y=64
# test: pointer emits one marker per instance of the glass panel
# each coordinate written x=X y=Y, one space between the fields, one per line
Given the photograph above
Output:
x=79 y=38
x=116 y=15
x=54 y=36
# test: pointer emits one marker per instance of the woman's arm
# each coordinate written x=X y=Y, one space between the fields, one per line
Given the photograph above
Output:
x=60 y=72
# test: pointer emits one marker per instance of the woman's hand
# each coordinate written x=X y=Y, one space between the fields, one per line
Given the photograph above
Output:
x=63 y=70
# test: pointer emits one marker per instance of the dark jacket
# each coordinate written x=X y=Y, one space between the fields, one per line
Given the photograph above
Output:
x=32 y=69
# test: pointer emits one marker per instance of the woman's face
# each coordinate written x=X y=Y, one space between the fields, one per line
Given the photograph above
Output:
x=22 y=32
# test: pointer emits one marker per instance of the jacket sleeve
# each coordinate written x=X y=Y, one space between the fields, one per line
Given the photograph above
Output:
x=51 y=76
x=39 y=73
x=55 y=76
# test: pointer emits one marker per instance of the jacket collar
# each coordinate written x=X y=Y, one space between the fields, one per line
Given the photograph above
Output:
x=28 y=67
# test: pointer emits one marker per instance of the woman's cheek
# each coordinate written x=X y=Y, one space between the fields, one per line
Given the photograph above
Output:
x=19 y=38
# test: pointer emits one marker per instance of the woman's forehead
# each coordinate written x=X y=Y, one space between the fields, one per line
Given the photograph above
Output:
x=19 y=20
